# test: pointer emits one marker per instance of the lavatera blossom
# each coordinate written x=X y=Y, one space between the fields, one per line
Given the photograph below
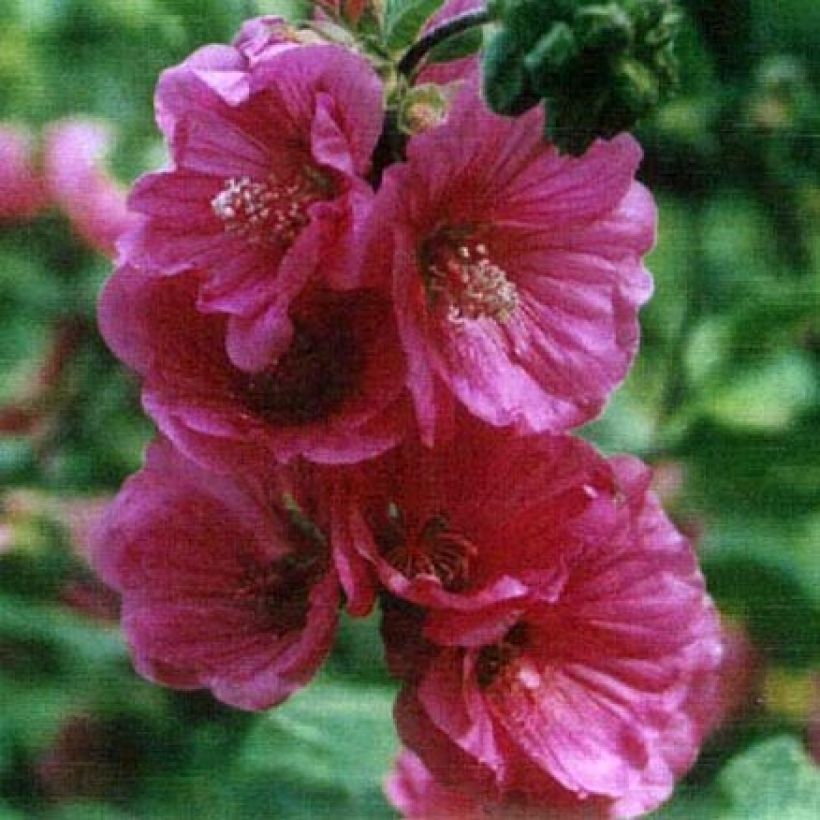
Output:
x=270 y=142
x=557 y=647
x=516 y=272
x=335 y=395
x=224 y=585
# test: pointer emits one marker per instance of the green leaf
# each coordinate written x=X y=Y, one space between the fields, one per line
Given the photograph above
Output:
x=772 y=600
x=766 y=397
x=752 y=472
x=773 y=781
x=454 y=48
x=292 y=10
x=334 y=741
x=404 y=21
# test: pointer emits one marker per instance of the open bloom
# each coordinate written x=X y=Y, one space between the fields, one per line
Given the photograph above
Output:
x=93 y=201
x=334 y=395
x=461 y=528
x=516 y=272
x=221 y=587
x=590 y=694
x=270 y=144
x=22 y=192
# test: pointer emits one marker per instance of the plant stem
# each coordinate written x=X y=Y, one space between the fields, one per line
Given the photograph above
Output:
x=463 y=22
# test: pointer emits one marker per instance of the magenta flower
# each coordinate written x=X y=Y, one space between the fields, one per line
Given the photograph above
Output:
x=413 y=790
x=221 y=587
x=22 y=192
x=418 y=796
x=516 y=272
x=594 y=694
x=334 y=395
x=257 y=39
x=270 y=144
x=461 y=528
x=93 y=201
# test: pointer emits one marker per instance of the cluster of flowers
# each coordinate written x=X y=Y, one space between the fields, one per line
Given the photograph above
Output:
x=363 y=373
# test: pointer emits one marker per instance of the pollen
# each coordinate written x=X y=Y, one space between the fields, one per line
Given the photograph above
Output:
x=436 y=550
x=271 y=212
x=464 y=282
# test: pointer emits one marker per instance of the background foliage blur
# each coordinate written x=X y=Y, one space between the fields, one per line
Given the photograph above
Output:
x=724 y=400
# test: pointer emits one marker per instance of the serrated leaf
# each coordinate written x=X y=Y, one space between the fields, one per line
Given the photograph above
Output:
x=773 y=781
x=405 y=20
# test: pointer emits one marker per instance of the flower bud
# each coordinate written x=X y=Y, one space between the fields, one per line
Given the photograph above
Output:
x=553 y=52
x=598 y=66
x=606 y=28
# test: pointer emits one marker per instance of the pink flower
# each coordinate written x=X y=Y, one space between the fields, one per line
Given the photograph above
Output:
x=334 y=395
x=22 y=193
x=257 y=39
x=270 y=144
x=221 y=587
x=595 y=697
x=418 y=796
x=413 y=790
x=516 y=272
x=462 y=528
x=93 y=201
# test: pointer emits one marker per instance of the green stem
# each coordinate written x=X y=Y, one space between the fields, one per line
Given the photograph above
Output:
x=457 y=25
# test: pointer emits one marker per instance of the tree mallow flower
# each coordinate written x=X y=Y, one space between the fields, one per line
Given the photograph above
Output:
x=516 y=272
x=266 y=189
x=221 y=586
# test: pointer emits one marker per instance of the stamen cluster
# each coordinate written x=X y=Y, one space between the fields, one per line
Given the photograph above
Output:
x=365 y=394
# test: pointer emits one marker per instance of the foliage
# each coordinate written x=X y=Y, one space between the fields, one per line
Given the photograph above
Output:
x=726 y=390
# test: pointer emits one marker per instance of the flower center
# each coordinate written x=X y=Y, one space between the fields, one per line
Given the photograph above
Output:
x=436 y=550
x=497 y=662
x=309 y=381
x=279 y=593
x=271 y=212
x=463 y=282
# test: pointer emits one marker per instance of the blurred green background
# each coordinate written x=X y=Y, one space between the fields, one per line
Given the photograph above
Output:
x=724 y=400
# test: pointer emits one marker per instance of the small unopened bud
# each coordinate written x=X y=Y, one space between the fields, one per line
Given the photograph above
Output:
x=424 y=107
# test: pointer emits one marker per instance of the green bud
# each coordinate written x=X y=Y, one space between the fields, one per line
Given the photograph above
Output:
x=605 y=27
x=599 y=65
x=506 y=85
x=423 y=107
x=527 y=20
x=636 y=88
x=552 y=54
